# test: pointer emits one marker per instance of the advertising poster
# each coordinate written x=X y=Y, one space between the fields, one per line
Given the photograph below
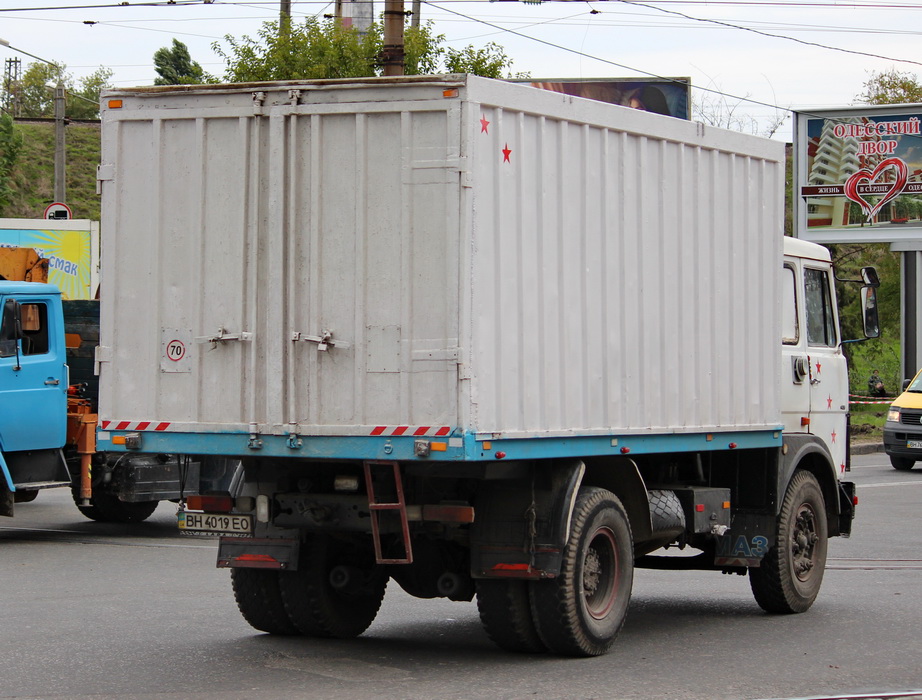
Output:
x=69 y=247
x=669 y=96
x=859 y=174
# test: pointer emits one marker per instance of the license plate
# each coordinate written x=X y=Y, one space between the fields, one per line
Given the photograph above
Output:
x=914 y=444
x=215 y=524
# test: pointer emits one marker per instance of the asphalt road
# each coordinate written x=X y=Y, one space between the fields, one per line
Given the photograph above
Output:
x=101 y=611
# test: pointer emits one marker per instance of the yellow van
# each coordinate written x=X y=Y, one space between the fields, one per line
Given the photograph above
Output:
x=903 y=429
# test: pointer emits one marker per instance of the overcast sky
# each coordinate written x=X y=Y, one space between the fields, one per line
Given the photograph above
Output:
x=620 y=40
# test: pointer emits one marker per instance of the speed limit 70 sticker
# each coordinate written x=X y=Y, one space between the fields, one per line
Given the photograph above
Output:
x=175 y=349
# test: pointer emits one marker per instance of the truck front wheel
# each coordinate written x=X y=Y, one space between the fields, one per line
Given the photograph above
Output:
x=580 y=612
x=791 y=573
x=337 y=589
x=108 y=508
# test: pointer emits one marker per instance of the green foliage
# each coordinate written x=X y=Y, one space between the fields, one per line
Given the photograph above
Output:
x=36 y=97
x=32 y=178
x=83 y=102
x=323 y=49
x=489 y=61
x=890 y=87
x=175 y=66
x=10 y=145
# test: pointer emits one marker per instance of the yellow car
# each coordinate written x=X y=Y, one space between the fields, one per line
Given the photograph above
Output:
x=903 y=429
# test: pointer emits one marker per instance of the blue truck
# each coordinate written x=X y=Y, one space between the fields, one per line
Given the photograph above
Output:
x=48 y=393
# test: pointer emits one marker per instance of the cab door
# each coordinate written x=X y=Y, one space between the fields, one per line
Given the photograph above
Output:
x=33 y=377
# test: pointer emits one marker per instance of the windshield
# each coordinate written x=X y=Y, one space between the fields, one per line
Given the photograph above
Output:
x=916 y=385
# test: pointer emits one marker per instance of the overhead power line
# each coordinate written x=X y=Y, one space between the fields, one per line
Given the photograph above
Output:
x=768 y=34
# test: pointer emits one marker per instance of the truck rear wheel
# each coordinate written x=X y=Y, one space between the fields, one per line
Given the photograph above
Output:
x=791 y=574
x=580 y=612
x=505 y=612
x=337 y=589
x=260 y=600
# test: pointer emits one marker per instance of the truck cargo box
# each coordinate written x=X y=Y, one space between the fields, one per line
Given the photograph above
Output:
x=439 y=256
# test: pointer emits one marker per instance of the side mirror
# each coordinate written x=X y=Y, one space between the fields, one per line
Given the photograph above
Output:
x=869 y=311
x=906 y=384
x=11 y=325
x=869 y=276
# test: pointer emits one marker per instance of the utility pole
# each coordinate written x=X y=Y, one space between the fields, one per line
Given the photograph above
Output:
x=392 y=55
x=60 y=160
x=417 y=8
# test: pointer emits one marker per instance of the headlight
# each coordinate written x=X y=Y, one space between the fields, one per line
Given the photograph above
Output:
x=893 y=415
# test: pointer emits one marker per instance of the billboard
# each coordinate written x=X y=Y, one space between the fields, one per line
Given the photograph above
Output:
x=669 y=96
x=858 y=174
x=71 y=246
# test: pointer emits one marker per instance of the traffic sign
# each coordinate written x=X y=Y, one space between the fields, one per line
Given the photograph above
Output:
x=58 y=210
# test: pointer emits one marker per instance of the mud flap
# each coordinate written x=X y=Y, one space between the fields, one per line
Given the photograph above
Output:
x=846 y=508
x=522 y=524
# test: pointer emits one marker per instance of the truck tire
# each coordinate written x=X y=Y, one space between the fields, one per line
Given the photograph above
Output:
x=580 y=612
x=260 y=600
x=108 y=508
x=791 y=573
x=505 y=612
x=903 y=464
x=316 y=606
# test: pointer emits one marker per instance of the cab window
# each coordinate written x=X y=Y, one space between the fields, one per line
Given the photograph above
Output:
x=34 y=329
x=790 y=328
x=821 y=327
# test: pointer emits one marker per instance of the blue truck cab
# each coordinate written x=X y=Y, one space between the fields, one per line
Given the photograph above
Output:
x=33 y=392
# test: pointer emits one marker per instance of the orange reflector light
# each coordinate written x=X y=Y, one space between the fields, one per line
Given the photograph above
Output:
x=487 y=445
x=699 y=507
x=118 y=439
x=726 y=504
x=220 y=503
x=448 y=514
x=805 y=421
x=708 y=437
x=115 y=104
x=438 y=446
x=510 y=567
x=72 y=340
x=450 y=92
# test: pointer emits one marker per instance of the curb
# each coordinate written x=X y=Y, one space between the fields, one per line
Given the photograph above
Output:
x=867 y=448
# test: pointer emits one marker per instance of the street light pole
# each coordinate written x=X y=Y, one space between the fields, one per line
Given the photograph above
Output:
x=60 y=160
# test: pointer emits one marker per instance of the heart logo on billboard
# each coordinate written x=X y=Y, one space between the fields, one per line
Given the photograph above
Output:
x=865 y=175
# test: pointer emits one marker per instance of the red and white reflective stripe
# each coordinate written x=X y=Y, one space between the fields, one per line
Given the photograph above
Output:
x=133 y=425
x=412 y=430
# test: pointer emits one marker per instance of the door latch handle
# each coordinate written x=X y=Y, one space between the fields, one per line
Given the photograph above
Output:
x=52 y=382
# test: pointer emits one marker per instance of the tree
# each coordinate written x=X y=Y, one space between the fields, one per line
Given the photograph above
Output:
x=10 y=143
x=176 y=67
x=38 y=84
x=890 y=87
x=37 y=88
x=83 y=102
x=321 y=49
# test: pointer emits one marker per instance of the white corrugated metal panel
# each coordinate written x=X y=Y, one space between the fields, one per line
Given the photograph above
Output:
x=625 y=269
x=607 y=273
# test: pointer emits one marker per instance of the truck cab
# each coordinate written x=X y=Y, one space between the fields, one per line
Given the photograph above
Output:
x=33 y=391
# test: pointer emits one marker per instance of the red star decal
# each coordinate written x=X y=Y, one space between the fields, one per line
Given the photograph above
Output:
x=833 y=435
x=506 y=152
x=483 y=125
x=829 y=402
x=842 y=467
x=819 y=368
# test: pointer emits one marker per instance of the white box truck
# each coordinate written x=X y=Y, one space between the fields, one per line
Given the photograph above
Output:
x=474 y=337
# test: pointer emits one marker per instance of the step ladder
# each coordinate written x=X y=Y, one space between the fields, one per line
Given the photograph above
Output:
x=388 y=470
